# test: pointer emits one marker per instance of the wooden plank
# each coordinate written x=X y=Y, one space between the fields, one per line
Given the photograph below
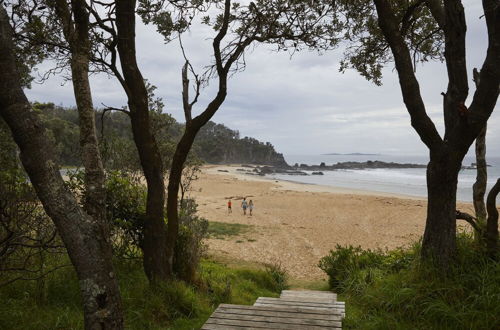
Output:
x=309 y=299
x=276 y=319
x=306 y=314
x=261 y=325
x=289 y=309
x=331 y=310
x=305 y=296
x=308 y=294
x=284 y=305
x=225 y=327
x=311 y=292
x=301 y=298
x=299 y=295
x=294 y=302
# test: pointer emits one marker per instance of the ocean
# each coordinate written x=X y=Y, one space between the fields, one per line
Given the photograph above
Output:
x=411 y=181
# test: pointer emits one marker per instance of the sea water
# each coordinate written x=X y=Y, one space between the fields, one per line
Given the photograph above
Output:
x=405 y=181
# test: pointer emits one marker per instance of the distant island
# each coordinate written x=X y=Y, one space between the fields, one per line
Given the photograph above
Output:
x=349 y=154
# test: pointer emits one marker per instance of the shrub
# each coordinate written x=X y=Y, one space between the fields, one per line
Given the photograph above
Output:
x=28 y=238
x=396 y=290
x=189 y=247
x=344 y=262
x=278 y=275
x=126 y=208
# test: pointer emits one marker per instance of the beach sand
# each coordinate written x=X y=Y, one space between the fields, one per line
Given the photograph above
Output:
x=296 y=224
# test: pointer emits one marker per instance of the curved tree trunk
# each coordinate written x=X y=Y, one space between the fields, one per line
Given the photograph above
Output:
x=492 y=222
x=87 y=244
x=154 y=245
x=479 y=187
x=439 y=243
x=174 y=179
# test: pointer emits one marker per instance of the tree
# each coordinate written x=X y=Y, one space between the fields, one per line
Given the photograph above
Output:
x=75 y=26
x=119 y=27
x=277 y=22
x=87 y=245
x=418 y=27
x=479 y=187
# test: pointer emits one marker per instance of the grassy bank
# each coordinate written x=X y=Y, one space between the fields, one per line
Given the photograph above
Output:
x=54 y=303
x=394 y=290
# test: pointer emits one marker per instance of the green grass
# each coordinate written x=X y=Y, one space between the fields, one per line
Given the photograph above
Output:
x=174 y=305
x=220 y=230
x=395 y=290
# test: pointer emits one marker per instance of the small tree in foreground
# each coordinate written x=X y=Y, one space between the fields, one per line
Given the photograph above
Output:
x=239 y=27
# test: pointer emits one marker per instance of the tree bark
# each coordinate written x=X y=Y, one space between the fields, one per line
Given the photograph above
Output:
x=174 y=179
x=156 y=264
x=479 y=187
x=491 y=233
x=439 y=242
x=87 y=244
x=76 y=33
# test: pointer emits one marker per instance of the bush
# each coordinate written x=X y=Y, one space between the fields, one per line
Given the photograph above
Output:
x=28 y=238
x=278 y=275
x=125 y=208
x=395 y=290
x=173 y=305
x=189 y=247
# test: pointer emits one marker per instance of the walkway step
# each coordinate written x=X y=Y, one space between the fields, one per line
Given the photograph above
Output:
x=308 y=293
x=293 y=310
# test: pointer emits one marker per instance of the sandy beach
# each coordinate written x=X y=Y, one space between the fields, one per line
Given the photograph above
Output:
x=297 y=224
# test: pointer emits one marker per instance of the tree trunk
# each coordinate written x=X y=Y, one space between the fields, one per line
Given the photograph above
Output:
x=174 y=179
x=479 y=187
x=156 y=263
x=491 y=233
x=88 y=246
x=439 y=243
x=95 y=194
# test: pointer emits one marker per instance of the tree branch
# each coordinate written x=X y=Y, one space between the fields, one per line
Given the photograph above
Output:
x=437 y=11
x=407 y=79
x=492 y=222
x=470 y=219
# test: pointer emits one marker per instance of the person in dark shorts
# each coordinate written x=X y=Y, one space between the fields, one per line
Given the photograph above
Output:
x=244 y=205
x=229 y=210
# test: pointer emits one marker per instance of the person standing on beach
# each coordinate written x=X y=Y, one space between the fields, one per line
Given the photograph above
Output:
x=250 y=207
x=229 y=210
x=244 y=205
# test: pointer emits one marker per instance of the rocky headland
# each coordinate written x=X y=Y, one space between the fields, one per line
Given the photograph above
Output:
x=300 y=169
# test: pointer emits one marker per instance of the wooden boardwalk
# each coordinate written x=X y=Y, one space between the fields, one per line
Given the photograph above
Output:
x=292 y=310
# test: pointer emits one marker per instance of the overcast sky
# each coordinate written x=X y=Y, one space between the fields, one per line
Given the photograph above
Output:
x=302 y=105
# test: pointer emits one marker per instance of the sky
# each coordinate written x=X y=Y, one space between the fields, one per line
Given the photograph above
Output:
x=301 y=104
